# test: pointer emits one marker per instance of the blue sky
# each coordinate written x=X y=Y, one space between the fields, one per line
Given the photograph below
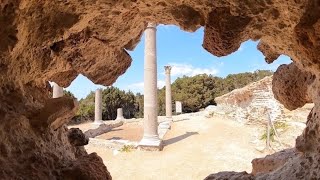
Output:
x=182 y=50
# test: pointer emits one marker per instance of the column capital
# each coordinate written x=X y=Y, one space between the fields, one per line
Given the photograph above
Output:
x=167 y=69
x=152 y=25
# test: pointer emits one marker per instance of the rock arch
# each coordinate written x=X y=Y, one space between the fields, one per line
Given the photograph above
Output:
x=45 y=41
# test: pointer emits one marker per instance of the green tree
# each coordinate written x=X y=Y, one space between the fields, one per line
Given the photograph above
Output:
x=194 y=92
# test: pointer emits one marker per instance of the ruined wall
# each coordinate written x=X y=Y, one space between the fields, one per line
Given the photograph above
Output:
x=56 y=40
x=252 y=103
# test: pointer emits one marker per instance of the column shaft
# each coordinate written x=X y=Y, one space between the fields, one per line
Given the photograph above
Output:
x=98 y=106
x=57 y=91
x=150 y=125
x=168 y=93
x=119 y=114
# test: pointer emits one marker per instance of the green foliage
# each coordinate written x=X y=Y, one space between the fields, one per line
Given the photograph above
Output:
x=68 y=93
x=127 y=148
x=278 y=126
x=86 y=107
x=199 y=91
x=113 y=98
x=139 y=105
x=194 y=92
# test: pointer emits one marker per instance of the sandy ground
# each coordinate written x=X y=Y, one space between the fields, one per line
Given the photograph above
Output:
x=130 y=131
x=194 y=148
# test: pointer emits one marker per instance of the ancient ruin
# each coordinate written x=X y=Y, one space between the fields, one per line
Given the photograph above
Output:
x=248 y=104
x=57 y=91
x=37 y=47
x=150 y=126
x=98 y=107
x=168 y=93
x=120 y=114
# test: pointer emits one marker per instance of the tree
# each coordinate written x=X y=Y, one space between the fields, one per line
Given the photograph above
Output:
x=195 y=93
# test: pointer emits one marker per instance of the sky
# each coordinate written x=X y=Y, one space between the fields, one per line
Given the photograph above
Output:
x=184 y=52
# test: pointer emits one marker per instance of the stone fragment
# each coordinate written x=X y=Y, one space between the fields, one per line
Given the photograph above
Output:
x=103 y=128
x=120 y=114
x=230 y=175
x=86 y=167
x=290 y=86
x=55 y=113
x=272 y=162
x=77 y=138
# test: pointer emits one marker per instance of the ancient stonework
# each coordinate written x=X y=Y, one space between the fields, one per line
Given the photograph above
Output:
x=252 y=103
x=55 y=41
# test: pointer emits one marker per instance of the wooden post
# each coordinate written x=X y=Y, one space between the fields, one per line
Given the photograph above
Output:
x=268 y=133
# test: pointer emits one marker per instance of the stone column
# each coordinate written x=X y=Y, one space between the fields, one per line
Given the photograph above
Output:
x=98 y=107
x=150 y=126
x=168 y=93
x=120 y=114
x=57 y=90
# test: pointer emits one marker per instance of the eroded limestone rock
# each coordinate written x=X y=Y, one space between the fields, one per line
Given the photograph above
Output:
x=86 y=167
x=272 y=162
x=45 y=41
x=288 y=82
x=77 y=138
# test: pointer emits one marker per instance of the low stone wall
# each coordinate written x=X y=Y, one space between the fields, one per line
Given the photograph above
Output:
x=103 y=128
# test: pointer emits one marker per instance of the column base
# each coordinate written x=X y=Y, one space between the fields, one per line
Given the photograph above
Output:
x=96 y=123
x=120 y=118
x=169 y=119
x=150 y=143
x=165 y=124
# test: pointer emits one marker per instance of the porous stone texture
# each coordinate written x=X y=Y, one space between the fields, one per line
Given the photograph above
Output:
x=273 y=162
x=289 y=81
x=86 y=167
x=77 y=138
x=252 y=103
x=226 y=175
x=55 y=41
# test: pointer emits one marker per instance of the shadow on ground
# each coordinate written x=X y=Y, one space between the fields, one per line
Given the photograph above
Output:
x=178 y=138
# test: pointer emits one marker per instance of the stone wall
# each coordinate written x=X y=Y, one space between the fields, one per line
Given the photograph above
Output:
x=252 y=103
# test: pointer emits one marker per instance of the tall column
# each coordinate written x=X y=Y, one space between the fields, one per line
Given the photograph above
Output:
x=98 y=106
x=57 y=90
x=168 y=93
x=150 y=125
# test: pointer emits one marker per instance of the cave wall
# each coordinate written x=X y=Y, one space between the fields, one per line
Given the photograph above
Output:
x=56 y=40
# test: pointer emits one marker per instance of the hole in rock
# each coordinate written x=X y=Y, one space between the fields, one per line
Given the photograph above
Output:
x=220 y=109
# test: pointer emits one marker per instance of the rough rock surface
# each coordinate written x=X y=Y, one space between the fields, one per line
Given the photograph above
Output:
x=252 y=103
x=86 y=167
x=272 y=162
x=77 y=138
x=45 y=41
x=286 y=80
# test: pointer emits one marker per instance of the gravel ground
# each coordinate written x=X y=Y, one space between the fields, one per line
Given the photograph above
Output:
x=194 y=148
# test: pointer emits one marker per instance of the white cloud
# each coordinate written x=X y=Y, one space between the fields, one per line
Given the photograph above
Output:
x=161 y=84
x=189 y=70
x=135 y=87
x=138 y=87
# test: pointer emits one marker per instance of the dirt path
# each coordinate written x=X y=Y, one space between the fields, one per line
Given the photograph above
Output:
x=195 y=147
